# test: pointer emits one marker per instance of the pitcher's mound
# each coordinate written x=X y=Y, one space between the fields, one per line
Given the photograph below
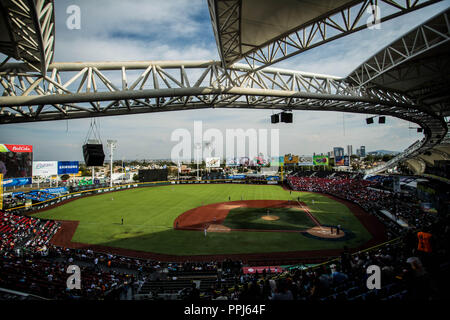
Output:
x=217 y=228
x=270 y=218
x=325 y=232
x=226 y=206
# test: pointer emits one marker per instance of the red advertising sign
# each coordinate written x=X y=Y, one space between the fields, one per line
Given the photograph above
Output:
x=19 y=148
x=271 y=269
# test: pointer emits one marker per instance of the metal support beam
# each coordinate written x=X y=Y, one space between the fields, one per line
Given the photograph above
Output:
x=432 y=34
x=31 y=32
x=98 y=89
x=226 y=21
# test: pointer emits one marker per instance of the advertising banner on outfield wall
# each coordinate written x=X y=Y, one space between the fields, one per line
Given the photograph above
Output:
x=276 y=161
x=244 y=161
x=237 y=176
x=45 y=168
x=342 y=161
x=232 y=162
x=16 y=182
x=320 y=160
x=339 y=161
x=213 y=162
x=273 y=179
x=259 y=161
x=56 y=190
x=346 y=161
x=290 y=159
x=68 y=167
x=305 y=161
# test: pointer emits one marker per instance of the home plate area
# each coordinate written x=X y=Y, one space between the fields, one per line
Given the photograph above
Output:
x=325 y=232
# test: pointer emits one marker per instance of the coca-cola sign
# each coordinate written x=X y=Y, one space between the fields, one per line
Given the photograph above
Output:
x=18 y=148
x=16 y=160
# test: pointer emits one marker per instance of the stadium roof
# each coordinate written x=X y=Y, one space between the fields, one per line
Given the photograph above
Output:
x=417 y=64
x=261 y=21
x=27 y=29
x=264 y=32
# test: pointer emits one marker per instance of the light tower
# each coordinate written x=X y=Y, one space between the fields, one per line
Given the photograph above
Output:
x=198 y=147
x=112 y=144
x=208 y=147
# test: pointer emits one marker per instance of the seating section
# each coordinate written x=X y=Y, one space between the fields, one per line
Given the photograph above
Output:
x=39 y=268
x=363 y=193
x=47 y=278
x=17 y=231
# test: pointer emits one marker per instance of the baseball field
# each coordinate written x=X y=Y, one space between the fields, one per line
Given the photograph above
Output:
x=213 y=219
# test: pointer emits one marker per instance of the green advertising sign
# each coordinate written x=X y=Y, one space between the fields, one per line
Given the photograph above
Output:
x=276 y=161
x=85 y=182
x=320 y=160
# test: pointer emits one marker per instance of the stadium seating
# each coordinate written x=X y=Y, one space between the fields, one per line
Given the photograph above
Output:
x=108 y=276
x=371 y=200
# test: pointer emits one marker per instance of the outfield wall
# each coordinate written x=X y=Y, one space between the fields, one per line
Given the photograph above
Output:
x=82 y=193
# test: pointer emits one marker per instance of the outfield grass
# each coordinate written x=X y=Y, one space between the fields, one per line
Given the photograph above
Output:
x=149 y=213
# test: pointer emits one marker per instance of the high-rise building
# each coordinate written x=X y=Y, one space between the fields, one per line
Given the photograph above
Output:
x=338 y=152
x=349 y=150
x=363 y=151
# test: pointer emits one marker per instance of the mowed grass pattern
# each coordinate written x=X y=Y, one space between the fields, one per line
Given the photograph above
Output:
x=149 y=213
x=252 y=218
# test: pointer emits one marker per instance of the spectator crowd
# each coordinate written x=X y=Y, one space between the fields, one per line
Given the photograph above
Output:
x=31 y=264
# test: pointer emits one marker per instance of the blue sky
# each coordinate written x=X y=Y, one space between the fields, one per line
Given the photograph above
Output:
x=181 y=30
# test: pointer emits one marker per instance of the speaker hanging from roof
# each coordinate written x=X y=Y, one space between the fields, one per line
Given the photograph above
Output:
x=93 y=155
x=286 y=117
x=93 y=149
x=275 y=118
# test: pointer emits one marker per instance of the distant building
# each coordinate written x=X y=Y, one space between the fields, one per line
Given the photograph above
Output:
x=349 y=150
x=358 y=152
x=363 y=151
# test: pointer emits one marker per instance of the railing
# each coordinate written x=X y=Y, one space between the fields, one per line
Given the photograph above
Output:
x=56 y=200
x=396 y=240
x=414 y=147
x=22 y=294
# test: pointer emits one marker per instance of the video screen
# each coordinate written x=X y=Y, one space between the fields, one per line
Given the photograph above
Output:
x=152 y=175
x=16 y=161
